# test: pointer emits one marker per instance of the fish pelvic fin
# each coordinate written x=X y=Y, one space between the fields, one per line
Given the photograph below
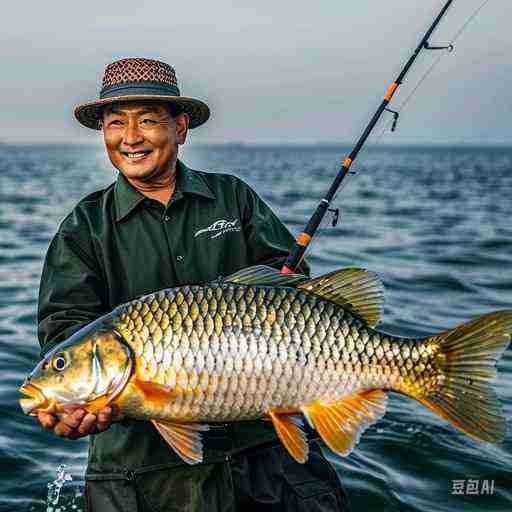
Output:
x=340 y=424
x=184 y=438
x=290 y=431
x=462 y=392
x=356 y=289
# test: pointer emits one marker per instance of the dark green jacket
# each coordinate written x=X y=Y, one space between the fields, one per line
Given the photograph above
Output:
x=118 y=244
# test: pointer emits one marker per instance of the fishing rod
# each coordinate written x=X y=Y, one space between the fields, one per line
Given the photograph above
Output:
x=304 y=239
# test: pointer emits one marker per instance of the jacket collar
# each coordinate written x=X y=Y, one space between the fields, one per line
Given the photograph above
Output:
x=188 y=181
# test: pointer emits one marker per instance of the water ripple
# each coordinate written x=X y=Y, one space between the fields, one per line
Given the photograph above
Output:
x=433 y=223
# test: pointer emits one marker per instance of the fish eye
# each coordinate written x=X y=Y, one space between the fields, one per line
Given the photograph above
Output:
x=59 y=363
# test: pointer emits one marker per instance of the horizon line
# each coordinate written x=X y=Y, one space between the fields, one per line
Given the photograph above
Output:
x=316 y=144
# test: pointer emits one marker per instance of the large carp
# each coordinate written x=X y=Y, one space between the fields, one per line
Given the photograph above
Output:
x=260 y=344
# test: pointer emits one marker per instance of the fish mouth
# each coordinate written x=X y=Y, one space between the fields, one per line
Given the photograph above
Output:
x=36 y=401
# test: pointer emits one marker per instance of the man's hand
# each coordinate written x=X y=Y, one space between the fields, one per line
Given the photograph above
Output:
x=79 y=423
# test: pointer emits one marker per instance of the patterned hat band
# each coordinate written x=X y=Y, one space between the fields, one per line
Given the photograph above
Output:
x=139 y=79
x=139 y=88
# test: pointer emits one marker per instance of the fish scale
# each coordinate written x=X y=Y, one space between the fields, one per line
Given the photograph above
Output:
x=298 y=349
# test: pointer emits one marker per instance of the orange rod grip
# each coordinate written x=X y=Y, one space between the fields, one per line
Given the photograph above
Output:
x=392 y=88
x=347 y=162
x=303 y=239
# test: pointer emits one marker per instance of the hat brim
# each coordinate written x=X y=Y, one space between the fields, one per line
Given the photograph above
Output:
x=87 y=114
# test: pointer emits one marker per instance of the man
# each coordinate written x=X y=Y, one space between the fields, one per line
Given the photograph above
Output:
x=162 y=225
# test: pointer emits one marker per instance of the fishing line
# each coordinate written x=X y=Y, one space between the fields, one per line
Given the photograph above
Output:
x=332 y=219
x=438 y=59
x=469 y=20
x=377 y=139
x=432 y=67
x=305 y=238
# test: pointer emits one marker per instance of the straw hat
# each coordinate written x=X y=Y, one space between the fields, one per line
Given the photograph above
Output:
x=140 y=79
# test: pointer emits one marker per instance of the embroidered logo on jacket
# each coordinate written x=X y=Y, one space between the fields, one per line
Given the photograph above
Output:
x=219 y=228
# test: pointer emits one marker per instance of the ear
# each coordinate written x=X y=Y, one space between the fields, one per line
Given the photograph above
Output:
x=181 y=121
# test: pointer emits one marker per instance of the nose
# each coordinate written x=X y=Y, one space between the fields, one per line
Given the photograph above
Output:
x=132 y=135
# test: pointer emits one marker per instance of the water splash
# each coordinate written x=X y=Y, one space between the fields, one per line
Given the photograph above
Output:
x=68 y=499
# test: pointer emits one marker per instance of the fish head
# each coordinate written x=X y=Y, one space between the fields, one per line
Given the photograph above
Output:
x=88 y=372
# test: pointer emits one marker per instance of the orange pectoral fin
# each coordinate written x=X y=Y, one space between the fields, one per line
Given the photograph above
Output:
x=290 y=432
x=340 y=424
x=184 y=438
x=157 y=394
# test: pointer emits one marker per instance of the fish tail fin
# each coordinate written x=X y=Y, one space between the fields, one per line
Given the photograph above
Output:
x=465 y=359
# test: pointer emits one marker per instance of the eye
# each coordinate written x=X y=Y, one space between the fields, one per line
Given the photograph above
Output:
x=115 y=122
x=59 y=363
x=149 y=121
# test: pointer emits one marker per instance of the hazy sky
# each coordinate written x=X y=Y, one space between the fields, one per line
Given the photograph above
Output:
x=271 y=71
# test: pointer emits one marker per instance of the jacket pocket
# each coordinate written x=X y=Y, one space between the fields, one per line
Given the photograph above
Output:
x=176 y=490
x=314 y=486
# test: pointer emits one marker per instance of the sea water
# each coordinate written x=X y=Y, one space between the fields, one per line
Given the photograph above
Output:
x=434 y=223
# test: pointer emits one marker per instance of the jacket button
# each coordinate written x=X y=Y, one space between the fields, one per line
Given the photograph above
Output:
x=179 y=257
x=167 y=218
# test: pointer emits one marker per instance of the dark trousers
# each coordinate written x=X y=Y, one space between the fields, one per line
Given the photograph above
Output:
x=262 y=479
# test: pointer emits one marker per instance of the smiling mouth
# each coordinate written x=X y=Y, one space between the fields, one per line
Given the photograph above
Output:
x=135 y=155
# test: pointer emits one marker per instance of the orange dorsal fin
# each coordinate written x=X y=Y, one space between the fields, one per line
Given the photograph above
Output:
x=290 y=432
x=340 y=424
x=184 y=438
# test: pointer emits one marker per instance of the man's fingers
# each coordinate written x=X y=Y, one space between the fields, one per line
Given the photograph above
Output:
x=74 y=419
x=85 y=427
x=63 y=430
x=88 y=423
x=75 y=435
x=77 y=424
x=47 y=420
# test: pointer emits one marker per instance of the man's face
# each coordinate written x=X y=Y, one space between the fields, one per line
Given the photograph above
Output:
x=142 y=138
